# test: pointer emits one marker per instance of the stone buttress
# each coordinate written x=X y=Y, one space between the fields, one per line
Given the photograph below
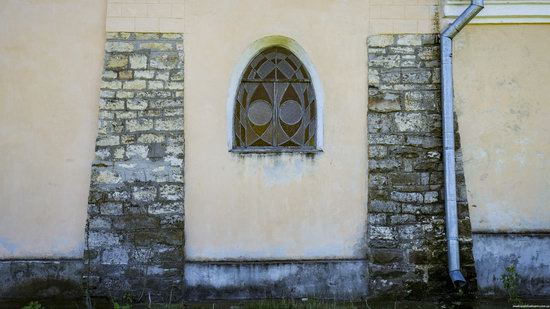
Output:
x=134 y=233
x=407 y=245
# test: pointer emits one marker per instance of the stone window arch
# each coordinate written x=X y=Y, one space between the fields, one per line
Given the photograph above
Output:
x=275 y=106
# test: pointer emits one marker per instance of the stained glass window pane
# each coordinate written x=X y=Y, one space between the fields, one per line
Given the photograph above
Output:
x=275 y=104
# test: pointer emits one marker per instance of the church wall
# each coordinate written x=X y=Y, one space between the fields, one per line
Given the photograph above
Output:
x=275 y=206
x=145 y=15
x=403 y=16
x=502 y=111
x=262 y=215
x=50 y=64
x=51 y=58
x=502 y=108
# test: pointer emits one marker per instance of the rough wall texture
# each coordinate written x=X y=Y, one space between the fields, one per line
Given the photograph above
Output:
x=135 y=214
x=32 y=279
x=527 y=252
x=407 y=247
x=325 y=279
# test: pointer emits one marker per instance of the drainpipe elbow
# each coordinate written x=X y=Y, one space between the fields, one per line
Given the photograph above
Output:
x=471 y=11
x=479 y=3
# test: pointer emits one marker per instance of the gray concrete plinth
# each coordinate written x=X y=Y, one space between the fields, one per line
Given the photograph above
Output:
x=334 y=279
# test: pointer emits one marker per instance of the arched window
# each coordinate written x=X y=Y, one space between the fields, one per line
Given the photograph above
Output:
x=275 y=105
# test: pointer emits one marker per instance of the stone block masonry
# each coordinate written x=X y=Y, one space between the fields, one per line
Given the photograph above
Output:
x=134 y=233
x=406 y=233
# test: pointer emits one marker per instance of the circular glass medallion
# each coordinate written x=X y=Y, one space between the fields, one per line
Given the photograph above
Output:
x=259 y=112
x=290 y=112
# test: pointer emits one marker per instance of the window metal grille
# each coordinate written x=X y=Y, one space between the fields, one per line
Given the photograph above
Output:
x=275 y=105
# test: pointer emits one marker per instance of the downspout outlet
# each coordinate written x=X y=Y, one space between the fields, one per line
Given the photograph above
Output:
x=458 y=279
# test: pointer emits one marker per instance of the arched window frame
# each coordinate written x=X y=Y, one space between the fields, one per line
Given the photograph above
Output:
x=250 y=53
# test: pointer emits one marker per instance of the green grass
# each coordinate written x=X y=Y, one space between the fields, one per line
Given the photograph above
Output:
x=286 y=304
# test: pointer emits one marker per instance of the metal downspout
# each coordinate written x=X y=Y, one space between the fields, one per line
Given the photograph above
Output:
x=451 y=219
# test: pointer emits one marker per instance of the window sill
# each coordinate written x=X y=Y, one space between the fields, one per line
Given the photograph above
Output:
x=273 y=151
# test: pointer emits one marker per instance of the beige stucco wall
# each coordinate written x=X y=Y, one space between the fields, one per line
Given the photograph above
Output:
x=385 y=16
x=282 y=206
x=502 y=75
x=287 y=206
x=51 y=56
x=145 y=15
x=403 y=16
